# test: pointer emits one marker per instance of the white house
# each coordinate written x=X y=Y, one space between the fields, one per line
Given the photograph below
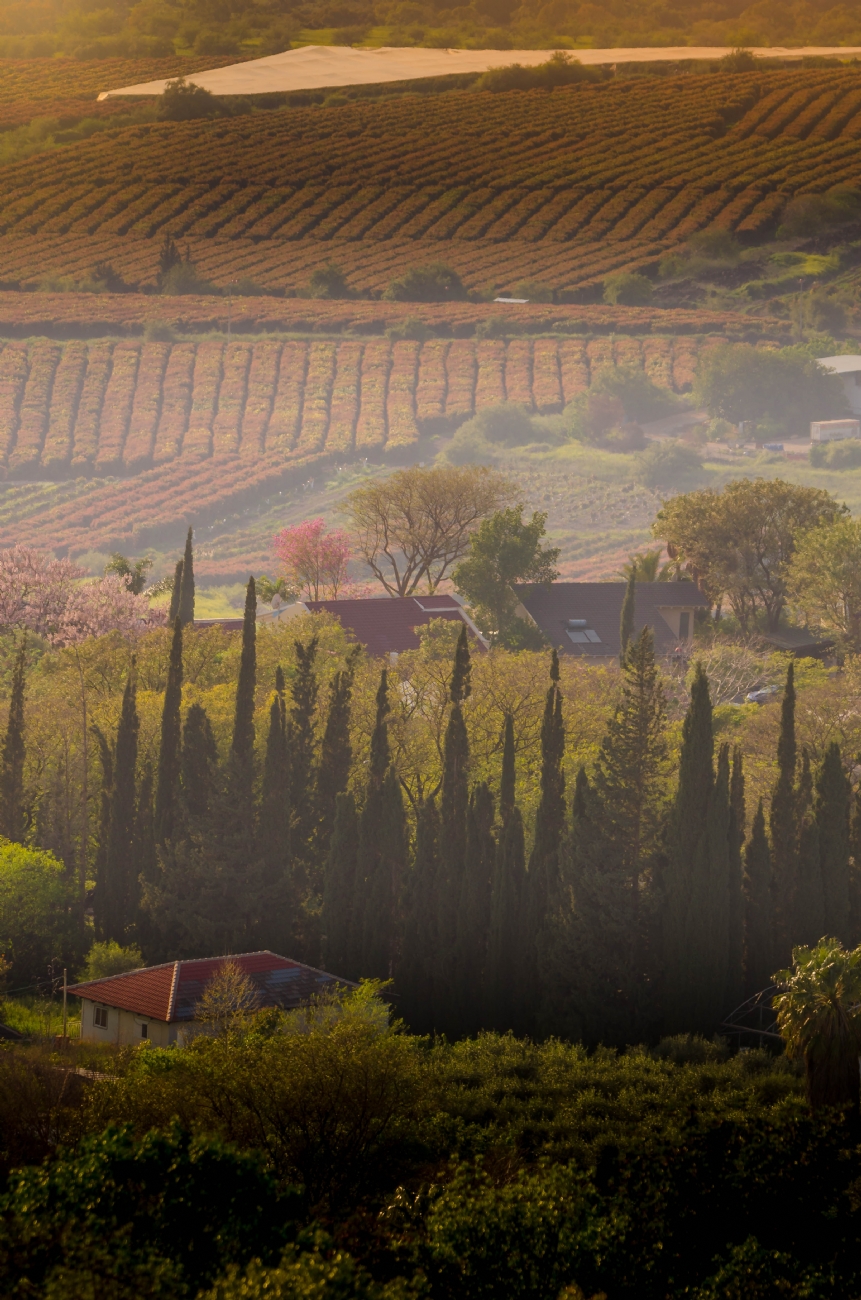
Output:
x=849 y=370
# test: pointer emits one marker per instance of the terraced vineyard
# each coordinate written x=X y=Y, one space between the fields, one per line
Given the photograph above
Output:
x=194 y=428
x=563 y=186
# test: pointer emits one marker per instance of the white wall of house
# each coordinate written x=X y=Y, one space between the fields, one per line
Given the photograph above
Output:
x=123 y=1027
x=672 y=616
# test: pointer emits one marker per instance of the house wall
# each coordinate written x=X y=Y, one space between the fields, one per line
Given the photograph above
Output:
x=124 y=1027
x=852 y=389
x=672 y=616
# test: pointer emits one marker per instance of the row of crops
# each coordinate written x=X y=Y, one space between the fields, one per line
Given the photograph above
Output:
x=649 y=161
x=191 y=429
x=122 y=407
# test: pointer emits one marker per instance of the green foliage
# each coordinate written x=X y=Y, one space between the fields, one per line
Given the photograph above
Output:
x=37 y=929
x=134 y=571
x=109 y=958
x=843 y=454
x=434 y=283
x=329 y=282
x=183 y=101
x=640 y=396
x=668 y=464
x=505 y=550
x=628 y=289
x=808 y=214
x=561 y=69
x=741 y=382
x=13 y=813
x=819 y=1013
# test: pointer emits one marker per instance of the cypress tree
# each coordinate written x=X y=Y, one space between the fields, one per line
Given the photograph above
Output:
x=169 y=754
x=336 y=753
x=735 y=967
x=783 y=819
x=418 y=973
x=505 y=957
x=385 y=882
x=304 y=690
x=714 y=900
x=175 y=594
x=199 y=760
x=687 y=941
x=242 y=742
x=549 y=826
x=145 y=862
x=339 y=887
x=106 y=760
x=274 y=828
x=186 y=586
x=370 y=865
x=808 y=918
x=122 y=893
x=833 y=795
x=626 y=624
x=758 y=920
x=855 y=871
x=13 y=816
x=454 y=803
x=473 y=915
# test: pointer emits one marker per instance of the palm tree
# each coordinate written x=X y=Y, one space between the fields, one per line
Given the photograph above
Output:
x=819 y=1014
x=646 y=567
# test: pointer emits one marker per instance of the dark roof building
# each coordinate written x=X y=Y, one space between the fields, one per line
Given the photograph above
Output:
x=388 y=626
x=155 y=1002
x=584 y=618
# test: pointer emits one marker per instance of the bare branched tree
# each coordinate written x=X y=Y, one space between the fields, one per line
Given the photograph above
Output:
x=228 y=1001
x=412 y=527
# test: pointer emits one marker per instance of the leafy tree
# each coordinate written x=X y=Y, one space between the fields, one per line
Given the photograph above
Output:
x=315 y=562
x=629 y=289
x=37 y=907
x=13 y=813
x=824 y=579
x=110 y=958
x=505 y=550
x=186 y=586
x=641 y=398
x=737 y=381
x=819 y=1014
x=738 y=543
x=413 y=526
x=167 y=782
x=329 y=282
x=758 y=924
x=134 y=572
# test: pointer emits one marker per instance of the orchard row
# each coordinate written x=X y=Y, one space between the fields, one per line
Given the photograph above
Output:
x=651 y=162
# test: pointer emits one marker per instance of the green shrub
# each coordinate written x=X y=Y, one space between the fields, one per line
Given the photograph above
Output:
x=329 y=282
x=809 y=213
x=434 y=283
x=184 y=278
x=560 y=70
x=842 y=454
x=628 y=289
x=663 y=464
x=37 y=909
x=109 y=958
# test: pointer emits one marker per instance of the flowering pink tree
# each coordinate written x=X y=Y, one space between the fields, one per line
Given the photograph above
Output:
x=314 y=562
x=47 y=596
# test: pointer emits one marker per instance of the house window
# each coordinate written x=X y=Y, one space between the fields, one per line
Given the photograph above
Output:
x=144 y=1031
x=684 y=625
x=100 y=1017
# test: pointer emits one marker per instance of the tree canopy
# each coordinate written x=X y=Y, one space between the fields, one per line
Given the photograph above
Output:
x=737 y=543
x=786 y=386
x=505 y=550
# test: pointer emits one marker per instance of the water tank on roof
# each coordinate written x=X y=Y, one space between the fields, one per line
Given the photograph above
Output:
x=578 y=622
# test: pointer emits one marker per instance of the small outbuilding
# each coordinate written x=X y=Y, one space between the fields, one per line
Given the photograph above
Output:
x=849 y=370
x=159 y=1003
x=584 y=618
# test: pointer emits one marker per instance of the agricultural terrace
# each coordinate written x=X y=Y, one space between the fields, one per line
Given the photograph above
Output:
x=193 y=426
x=564 y=187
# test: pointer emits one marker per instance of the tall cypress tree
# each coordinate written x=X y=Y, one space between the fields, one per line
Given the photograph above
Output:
x=735 y=955
x=385 y=882
x=549 y=826
x=13 y=815
x=175 y=594
x=714 y=900
x=336 y=753
x=687 y=941
x=242 y=742
x=855 y=871
x=758 y=918
x=418 y=971
x=145 y=862
x=304 y=690
x=454 y=803
x=808 y=913
x=505 y=957
x=833 y=795
x=199 y=760
x=783 y=818
x=122 y=892
x=274 y=828
x=626 y=623
x=169 y=754
x=374 y=880
x=106 y=760
x=473 y=915
x=507 y=781
x=339 y=888
x=186 y=586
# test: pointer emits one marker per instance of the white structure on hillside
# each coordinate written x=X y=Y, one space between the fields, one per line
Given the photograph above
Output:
x=849 y=370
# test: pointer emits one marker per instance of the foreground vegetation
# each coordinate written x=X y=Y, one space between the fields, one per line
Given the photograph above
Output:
x=366 y=1162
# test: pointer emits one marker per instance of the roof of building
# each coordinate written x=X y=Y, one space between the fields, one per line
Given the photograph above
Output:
x=799 y=641
x=388 y=626
x=841 y=365
x=596 y=608
x=171 y=991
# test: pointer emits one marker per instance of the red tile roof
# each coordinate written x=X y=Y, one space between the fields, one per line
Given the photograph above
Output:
x=171 y=992
x=386 y=626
